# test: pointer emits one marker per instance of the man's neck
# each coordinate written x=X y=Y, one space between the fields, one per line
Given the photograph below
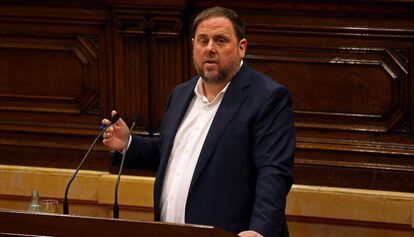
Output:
x=211 y=90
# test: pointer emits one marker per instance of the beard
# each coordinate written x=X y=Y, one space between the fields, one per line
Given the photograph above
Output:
x=209 y=76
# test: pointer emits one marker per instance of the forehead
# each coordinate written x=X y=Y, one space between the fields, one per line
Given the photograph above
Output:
x=215 y=25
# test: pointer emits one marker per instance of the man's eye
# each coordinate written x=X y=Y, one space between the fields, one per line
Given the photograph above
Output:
x=203 y=41
x=221 y=41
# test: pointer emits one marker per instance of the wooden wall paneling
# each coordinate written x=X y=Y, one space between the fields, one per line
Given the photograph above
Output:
x=356 y=170
x=106 y=68
x=355 y=91
x=149 y=62
x=131 y=66
x=406 y=56
x=45 y=84
x=52 y=71
x=167 y=62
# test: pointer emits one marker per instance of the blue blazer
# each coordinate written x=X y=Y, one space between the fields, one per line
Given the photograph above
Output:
x=245 y=168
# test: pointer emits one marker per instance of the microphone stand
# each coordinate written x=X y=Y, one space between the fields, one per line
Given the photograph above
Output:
x=116 y=207
x=65 y=200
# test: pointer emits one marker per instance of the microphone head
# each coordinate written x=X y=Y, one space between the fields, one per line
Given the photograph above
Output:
x=115 y=118
x=136 y=118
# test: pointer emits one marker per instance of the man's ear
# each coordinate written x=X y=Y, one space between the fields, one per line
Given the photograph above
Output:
x=192 y=41
x=242 y=47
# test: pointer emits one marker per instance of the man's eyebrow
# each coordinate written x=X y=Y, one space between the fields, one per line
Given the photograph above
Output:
x=223 y=35
x=201 y=35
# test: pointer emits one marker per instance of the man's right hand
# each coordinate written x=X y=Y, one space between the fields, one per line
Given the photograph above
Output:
x=116 y=136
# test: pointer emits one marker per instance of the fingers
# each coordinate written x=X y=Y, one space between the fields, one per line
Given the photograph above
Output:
x=115 y=136
x=115 y=128
x=107 y=121
x=249 y=233
x=109 y=144
x=108 y=138
x=121 y=124
x=109 y=132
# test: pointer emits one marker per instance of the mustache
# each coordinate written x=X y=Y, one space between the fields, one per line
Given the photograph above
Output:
x=211 y=60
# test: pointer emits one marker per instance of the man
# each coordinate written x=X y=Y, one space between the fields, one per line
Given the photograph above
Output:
x=225 y=152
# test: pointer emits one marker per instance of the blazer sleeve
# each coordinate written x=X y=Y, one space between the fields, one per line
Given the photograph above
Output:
x=143 y=153
x=273 y=154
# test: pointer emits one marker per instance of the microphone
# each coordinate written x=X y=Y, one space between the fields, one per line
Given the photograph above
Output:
x=116 y=207
x=113 y=120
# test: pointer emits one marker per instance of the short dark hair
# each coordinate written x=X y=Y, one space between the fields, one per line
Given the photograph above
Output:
x=236 y=21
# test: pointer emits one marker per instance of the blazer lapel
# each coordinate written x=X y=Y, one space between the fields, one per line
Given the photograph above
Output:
x=176 y=114
x=234 y=97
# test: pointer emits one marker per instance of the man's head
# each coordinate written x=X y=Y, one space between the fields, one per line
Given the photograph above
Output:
x=218 y=44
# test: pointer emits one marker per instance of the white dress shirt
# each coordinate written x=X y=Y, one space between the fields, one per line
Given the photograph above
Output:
x=185 y=152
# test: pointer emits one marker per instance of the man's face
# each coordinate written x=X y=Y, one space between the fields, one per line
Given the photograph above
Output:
x=216 y=51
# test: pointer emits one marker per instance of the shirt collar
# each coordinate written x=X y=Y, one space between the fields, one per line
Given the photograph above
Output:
x=198 y=90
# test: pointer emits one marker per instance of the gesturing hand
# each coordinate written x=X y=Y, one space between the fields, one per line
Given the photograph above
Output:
x=249 y=233
x=116 y=136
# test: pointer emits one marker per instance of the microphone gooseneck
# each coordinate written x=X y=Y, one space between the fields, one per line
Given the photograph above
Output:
x=116 y=207
x=113 y=120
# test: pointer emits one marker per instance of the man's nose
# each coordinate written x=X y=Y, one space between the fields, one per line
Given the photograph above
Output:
x=211 y=46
